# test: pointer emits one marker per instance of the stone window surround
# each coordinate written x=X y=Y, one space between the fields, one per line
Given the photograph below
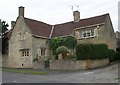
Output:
x=24 y=52
x=87 y=33
x=41 y=51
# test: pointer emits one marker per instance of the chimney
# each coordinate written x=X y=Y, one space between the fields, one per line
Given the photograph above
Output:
x=76 y=15
x=21 y=11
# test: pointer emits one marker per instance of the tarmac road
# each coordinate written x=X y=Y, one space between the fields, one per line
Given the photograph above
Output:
x=107 y=74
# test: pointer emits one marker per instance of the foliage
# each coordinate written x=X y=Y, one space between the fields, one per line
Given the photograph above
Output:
x=71 y=56
x=91 y=51
x=36 y=58
x=4 y=32
x=70 y=42
x=112 y=55
x=54 y=43
x=61 y=49
x=118 y=49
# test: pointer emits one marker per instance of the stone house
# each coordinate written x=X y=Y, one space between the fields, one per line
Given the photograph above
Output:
x=28 y=37
x=118 y=39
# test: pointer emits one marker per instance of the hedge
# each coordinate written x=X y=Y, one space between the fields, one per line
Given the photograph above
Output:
x=114 y=56
x=91 y=51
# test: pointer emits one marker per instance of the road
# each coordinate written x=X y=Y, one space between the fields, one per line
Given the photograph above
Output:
x=107 y=74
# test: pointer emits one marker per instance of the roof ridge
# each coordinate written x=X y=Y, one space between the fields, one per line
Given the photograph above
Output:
x=96 y=16
x=83 y=19
x=37 y=21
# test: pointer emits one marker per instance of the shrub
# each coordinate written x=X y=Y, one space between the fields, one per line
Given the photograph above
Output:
x=70 y=42
x=91 y=51
x=61 y=49
x=36 y=58
x=118 y=49
x=71 y=56
x=112 y=55
x=54 y=43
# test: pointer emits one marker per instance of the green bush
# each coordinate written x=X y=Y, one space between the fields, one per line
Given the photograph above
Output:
x=36 y=58
x=118 y=49
x=61 y=49
x=91 y=51
x=71 y=56
x=112 y=55
x=54 y=43
x=70 y=42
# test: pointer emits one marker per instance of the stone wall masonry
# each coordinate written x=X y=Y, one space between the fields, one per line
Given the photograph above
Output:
x=39 y=65
x=77 y=65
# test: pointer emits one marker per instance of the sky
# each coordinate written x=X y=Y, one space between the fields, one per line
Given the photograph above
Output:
x=58 y=11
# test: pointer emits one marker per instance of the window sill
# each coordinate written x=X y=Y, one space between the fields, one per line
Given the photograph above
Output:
x=87 y=37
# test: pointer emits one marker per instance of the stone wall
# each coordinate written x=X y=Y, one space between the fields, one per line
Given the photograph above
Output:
x=77 y=65
x=39 y=65
x=106 y=35
x=21 y=38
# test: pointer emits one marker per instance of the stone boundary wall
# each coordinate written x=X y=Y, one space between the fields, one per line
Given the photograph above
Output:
x=77 y=65
x=39 y=65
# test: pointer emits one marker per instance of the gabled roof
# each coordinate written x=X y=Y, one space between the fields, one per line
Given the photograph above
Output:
x=66 y=28
x=44 y=30
x=38 y=28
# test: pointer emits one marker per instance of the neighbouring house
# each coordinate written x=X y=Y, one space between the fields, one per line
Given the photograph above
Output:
x=28 y=37
x=118 y=38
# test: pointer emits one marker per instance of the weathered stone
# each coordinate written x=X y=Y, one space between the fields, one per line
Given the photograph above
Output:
x=77 y=65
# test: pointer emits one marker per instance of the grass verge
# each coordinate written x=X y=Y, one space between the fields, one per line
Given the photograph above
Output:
x=24 y=71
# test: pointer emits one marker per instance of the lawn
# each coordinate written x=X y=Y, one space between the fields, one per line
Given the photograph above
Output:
x=24 y=71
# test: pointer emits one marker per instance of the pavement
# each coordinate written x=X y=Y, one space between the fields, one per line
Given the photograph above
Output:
x=107 y=74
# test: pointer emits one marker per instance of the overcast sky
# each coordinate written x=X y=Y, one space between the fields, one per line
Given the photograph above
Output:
x=58 y=11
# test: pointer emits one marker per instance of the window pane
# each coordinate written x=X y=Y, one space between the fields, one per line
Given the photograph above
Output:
x=22 y=53
x=88 y=34
x=42 y=52
x=27 y=53
x=84 y=34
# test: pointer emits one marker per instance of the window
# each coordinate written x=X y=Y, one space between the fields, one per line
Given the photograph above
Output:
x=27 y=53
x=24 y=52
x=41 y=51
x=89 y=33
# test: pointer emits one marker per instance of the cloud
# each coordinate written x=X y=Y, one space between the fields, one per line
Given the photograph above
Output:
x=58 y=11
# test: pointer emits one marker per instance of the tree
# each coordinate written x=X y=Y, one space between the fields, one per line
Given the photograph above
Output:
x=70 y=42
x=54 y=43
x=3 y=32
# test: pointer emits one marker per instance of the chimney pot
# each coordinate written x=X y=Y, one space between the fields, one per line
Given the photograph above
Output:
x=21 y=11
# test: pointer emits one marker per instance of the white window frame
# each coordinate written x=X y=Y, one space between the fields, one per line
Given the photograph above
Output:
x=89 y=31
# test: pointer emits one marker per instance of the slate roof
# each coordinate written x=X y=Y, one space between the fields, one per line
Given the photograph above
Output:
x=42 y=29
x=66 y=28
x=38 y=28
